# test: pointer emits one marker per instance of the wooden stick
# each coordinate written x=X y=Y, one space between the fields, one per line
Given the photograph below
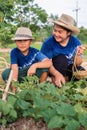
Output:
x=7 y=92
x=7 y=86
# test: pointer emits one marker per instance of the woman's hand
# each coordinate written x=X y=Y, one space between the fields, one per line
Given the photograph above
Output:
x=80 y=50
x=58 y=79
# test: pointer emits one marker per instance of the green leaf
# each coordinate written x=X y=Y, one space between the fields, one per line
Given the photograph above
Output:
x=66 y=109
x=41 y=102
x=79 y=108
x=6 y=108
x=55 y=122
x=78 y=97
x=83 y=119
x=11 y=100
x=3 y=121
x=72 y=125
x=48 y=113
x=23 y=104
x=13 y=114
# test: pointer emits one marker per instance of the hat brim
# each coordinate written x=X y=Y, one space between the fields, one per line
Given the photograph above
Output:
x=22 y=38
x=74 y=29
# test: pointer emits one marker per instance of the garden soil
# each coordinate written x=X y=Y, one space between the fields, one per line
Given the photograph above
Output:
x=26 y=124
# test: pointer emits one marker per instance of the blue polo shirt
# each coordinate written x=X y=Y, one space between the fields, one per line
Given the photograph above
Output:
x=52 y=48
x=23 y=61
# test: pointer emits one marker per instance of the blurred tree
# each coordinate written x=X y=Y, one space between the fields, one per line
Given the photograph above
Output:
x=83 y=35
x=6 y=13
x=29 y=14
x=14 y=13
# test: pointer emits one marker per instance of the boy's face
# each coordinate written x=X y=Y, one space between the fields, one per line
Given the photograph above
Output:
x=23 y=45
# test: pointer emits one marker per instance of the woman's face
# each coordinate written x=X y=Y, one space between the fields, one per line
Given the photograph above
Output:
x=60 y=34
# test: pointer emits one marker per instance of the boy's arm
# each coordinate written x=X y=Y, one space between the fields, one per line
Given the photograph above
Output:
x=14 y=67
x=46 y=63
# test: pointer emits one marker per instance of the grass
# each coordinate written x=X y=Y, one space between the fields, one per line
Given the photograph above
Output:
x=37 y=46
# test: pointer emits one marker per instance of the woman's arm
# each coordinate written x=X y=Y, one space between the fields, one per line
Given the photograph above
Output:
x=58 y=78
x=78 y=58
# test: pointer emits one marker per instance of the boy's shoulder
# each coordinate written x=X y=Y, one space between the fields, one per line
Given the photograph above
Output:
x=14 y=50
x=33 y=49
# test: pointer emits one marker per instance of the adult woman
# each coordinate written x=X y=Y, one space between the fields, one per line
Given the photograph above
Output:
x=61 y=47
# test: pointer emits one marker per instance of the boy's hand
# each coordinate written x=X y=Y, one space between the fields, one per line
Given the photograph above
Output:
x=32 y=70
x=13 y=87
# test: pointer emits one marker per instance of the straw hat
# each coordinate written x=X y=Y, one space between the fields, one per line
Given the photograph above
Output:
x=23 y=33
x=67 y=22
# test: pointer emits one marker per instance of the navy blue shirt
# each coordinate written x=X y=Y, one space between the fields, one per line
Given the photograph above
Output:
x=23 y=61
x=52 y=48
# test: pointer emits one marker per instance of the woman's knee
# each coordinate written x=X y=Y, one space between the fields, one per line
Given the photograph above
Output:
x=60 y=63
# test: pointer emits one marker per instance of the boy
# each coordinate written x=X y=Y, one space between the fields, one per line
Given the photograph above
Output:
x=26 y=60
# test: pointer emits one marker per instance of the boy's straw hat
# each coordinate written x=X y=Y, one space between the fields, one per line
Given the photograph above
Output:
x=23 y=33
x=67 y=22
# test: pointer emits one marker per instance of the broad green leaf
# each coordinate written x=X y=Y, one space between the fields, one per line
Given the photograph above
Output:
x=72 y=125
x=29 y=112
x=23 y=94
x=3 y=121
x=55 y=122
x=83 y=119
x=23 y=104
x=1 y=104
x=48 y=113
x=83 y=91
x=6 y=108
x=78 y=97
x=13 y=114
x=66 y=109
x=41 y=102
x=11 y=100
x=78 y=108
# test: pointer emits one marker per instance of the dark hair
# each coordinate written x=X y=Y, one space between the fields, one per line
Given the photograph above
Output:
x=63 y=28
x=66 y=29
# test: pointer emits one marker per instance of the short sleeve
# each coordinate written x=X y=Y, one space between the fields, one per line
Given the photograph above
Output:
x=40 y=56
x=13 y=57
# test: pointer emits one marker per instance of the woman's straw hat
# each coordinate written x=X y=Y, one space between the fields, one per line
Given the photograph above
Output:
x=67 y=22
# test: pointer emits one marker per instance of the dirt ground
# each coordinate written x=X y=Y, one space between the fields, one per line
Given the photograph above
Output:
x=5 y=49
x=26 y=124
x=29 y=124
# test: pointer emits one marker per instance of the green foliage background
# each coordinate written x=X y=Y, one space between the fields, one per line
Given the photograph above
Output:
x=15 y=13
